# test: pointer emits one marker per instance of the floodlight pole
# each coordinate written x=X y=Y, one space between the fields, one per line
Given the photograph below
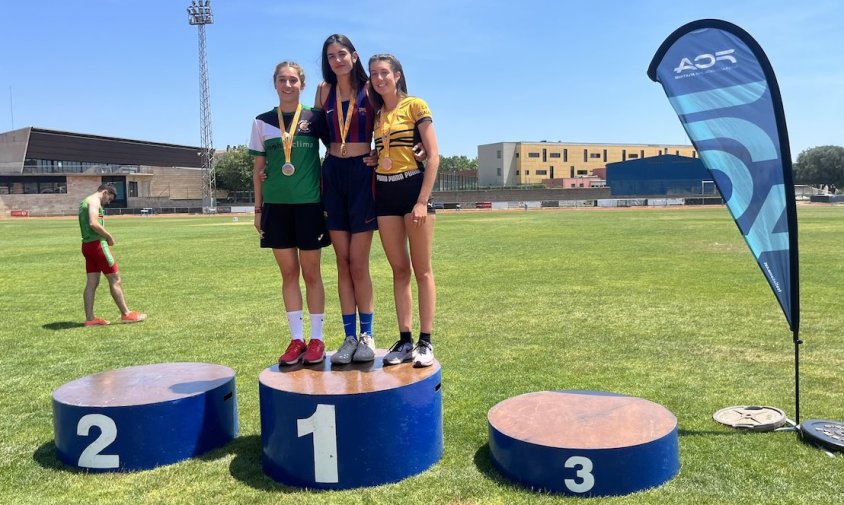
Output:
x=199 y=14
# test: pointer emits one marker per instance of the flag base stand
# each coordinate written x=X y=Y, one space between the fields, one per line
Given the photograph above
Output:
x=792 y=426
x=826 y=434
x=751 y=417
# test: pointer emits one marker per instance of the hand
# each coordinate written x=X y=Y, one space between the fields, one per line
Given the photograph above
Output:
x=263 y=174
x=110 y=240
x=371 y=159
x=257 y=223
x=419 y=214
x=419 y=153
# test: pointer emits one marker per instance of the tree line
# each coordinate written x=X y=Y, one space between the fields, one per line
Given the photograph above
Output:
x=817 y=165
x=233 y=169
x=820 y=165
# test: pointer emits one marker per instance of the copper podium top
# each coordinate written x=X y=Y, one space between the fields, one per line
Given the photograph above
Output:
x=581 y=420
x=143 y=385
x=324 y=379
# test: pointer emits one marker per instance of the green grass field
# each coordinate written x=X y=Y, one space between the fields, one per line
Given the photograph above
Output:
x=666 y=305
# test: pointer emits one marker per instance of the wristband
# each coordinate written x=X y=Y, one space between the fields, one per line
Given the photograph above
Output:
x=257 y=210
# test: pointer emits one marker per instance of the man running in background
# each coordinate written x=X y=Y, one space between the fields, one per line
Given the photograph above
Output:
x=98 y=259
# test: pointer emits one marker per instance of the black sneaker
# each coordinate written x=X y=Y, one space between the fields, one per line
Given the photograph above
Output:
x=400 y=352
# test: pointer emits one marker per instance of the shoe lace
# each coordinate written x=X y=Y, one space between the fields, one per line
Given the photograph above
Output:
x=423 y=347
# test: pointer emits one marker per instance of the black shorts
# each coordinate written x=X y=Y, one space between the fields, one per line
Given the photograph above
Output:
x=395 y=195
x=347 y=194
x=288 y=225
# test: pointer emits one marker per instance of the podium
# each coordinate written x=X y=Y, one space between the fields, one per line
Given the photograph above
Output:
x=142 y=417
x=350 y=426
x=584 y=443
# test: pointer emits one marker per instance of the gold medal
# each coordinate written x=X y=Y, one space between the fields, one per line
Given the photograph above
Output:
x=344 y=122
x=287 y=139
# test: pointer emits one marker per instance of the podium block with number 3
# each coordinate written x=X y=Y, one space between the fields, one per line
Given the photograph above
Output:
x=584 y=443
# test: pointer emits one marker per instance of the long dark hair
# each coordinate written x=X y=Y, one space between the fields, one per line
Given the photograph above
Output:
x=395 y=66
x=359 y=78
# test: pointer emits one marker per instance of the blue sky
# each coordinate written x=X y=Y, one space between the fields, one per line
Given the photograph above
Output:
x=491 y=71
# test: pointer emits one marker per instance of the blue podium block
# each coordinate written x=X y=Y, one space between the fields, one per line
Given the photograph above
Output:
x=584 y=443
x=353 y=426
x=142 y=417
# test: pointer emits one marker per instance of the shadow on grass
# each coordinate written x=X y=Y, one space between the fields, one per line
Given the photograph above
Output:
x=706 y=433
x=45 y=456
x=483 y=462
x=62 y=325
x=246 y=465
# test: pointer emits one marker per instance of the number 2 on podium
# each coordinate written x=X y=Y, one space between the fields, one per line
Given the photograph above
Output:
x=324 y=427
x=91 y=457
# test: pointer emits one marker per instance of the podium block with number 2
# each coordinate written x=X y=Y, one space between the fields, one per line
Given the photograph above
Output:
x=146 y=416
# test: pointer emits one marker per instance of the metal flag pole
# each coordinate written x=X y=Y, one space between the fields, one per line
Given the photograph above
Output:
x=797 y=343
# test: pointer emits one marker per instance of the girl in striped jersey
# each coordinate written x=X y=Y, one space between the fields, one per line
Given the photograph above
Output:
x=347 y=190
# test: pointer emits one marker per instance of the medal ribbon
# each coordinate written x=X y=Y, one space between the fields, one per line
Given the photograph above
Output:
x=344 y=122
x=385 y=134
x=287 y=136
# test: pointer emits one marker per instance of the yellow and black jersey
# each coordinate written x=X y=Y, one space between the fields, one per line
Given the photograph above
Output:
x=401 y=127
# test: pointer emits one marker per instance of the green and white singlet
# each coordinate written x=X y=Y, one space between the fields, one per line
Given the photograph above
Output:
x=304 y=185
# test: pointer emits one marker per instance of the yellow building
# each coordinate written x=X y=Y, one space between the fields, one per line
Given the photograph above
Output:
x=519 y=163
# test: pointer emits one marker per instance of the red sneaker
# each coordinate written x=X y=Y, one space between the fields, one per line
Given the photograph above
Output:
x=96 y=322
x=293 y=353
x=133 y=317
x=315 y=353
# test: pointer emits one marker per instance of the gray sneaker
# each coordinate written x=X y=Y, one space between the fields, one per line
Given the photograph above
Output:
x=365 y=349
x=423 y=354
x=343 y=356
x=399 y=353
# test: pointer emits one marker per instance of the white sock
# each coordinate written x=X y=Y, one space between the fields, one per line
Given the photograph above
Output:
x=294 y=319
x=316 y=326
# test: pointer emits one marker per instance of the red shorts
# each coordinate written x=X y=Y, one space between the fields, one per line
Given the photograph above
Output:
x=98 y=257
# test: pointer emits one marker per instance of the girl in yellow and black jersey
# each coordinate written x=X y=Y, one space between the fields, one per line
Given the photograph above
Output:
x=403 y=187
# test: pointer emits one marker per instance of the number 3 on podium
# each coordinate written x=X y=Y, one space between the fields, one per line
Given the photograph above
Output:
x=584 y=473
x=323 y=425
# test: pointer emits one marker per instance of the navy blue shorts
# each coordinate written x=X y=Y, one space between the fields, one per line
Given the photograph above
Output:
x=395 y=195
x=347 y=186
x=288 y=225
